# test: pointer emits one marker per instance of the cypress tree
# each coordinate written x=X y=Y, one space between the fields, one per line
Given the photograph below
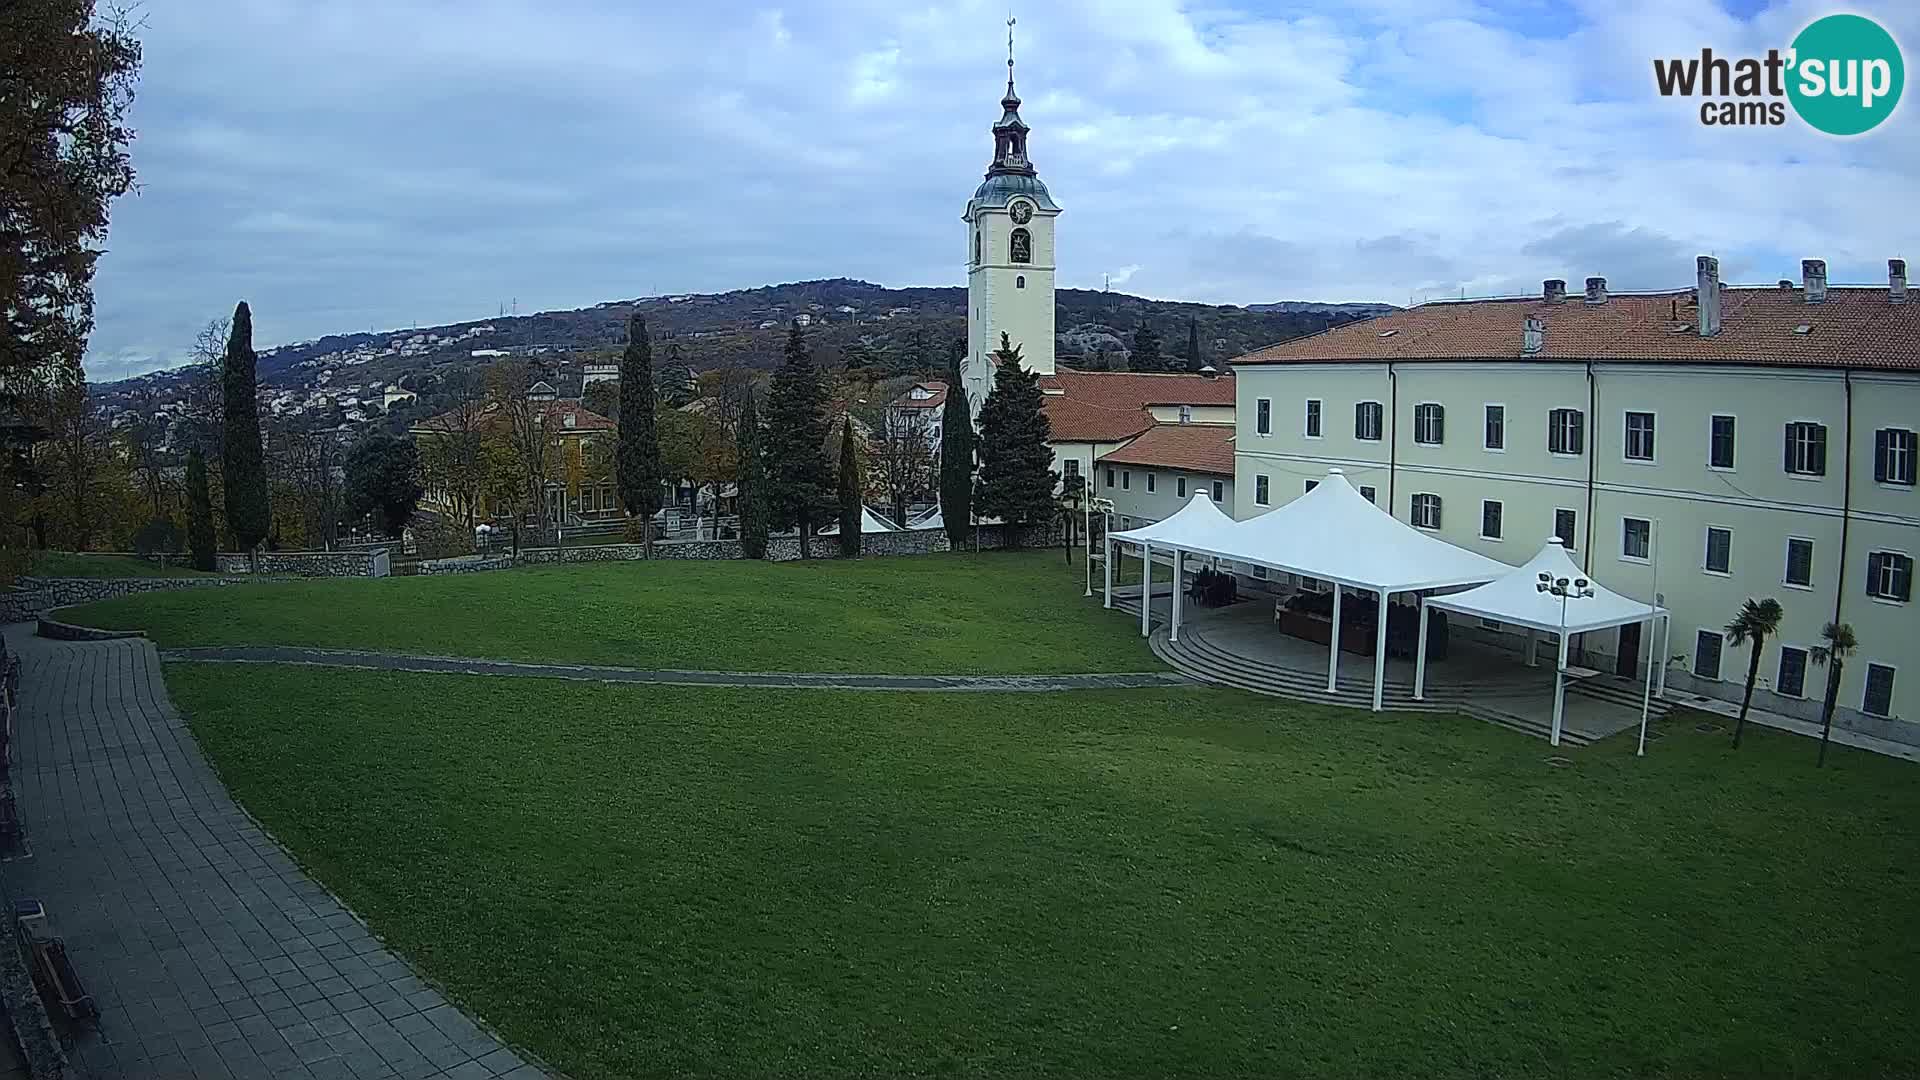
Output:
x=850 y=488
x=799 y=479
x=956 y=460
x=1016 y=482
x=242 y=461
x=200 y=538
x=637 y=460
x=751 y=482
x=1194 y=360
x=1146 y=350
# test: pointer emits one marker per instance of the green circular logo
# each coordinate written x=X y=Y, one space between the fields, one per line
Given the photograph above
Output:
x=1846 y=74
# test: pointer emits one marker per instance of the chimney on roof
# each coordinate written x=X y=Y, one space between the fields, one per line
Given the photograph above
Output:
x=1897 y=280
x=1786 y=285
x=1596 y=290
x=1706 y=293
x=1814 y=273
x=1533 y=337
x=1554 y=290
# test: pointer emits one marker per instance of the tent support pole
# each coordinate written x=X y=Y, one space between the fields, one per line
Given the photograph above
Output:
x=1146 y=587
x=1533 y=648
x=1333 y=650
x=1106 y=570
x=1380 y=654
x=1559 y=690
x=1173 y=633
x=1420 y=656
x=1666 y=650
x=1646 y=696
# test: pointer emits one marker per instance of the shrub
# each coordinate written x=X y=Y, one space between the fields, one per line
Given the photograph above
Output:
x=157 y=537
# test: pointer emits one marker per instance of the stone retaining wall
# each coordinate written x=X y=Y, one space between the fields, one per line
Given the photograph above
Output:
x=464 y=564
x=307 y=563
x=32 y=597
x=784 y=549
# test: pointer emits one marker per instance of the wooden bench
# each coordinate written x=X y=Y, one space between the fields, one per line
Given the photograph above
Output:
x=53 y=972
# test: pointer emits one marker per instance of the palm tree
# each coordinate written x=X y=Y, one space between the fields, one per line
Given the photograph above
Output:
x=1758 y=620
x=1839 y=644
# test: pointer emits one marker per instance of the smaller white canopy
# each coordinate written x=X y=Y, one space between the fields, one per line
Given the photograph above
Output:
x=1515 y=598
x=1192 y=526
x=870 y=522
x=931 y=519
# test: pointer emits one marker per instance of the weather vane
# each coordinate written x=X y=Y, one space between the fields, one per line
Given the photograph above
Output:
x=1010 y=21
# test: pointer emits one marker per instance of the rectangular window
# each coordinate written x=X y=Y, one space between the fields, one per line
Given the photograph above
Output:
x=1889 y=576
x=1109 y=476
x=1426 y=511
x=1180 y=487
x=1126 y=479
x=1070 y=474
x=1878 y=700
x=1496 y=427
x=1429 y=424
x=1564 y=522
x=1186 y=414
x=1219 y=491
x=1311 y=484
x=1261 y=496
x=1799 y=562
x=1639 y=436
x=1636 y=538
x=1490 y=515
x=1893 y=456
x=1313 y=418
x=1263 y=417
x=1720 y=443
x=1368 y=493
x=1706 y=654
x=1149 y=483
x=1806 y=449
x=1367 y=417
x=1719 y=549
x=1792 y=679
x=1566 y=432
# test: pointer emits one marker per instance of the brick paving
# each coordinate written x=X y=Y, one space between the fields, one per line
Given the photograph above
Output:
x=208 y=950
x=780 y=680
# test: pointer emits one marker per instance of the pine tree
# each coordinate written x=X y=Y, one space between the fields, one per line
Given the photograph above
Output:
x=850 y=488
x=956 y=460
x=799 y=479
x=200 y=536
x=1195 y=361
x=1146 y=350
x=751 y=482
x=1016 y=484
x=637 y=462
x=242 y=461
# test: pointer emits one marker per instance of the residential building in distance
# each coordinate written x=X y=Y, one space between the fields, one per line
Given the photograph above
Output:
x=1155 y=474
x=1733 y=443
x=918 y=411
x=584 y=437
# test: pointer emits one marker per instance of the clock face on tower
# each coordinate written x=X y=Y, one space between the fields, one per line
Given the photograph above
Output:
x=1022 y=212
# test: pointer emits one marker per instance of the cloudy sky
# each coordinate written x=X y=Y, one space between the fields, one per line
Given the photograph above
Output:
x=358 y=164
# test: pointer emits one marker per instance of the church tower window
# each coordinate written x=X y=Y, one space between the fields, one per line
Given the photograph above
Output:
x=976 y=247
x=1022 y=246
x=1020 y=282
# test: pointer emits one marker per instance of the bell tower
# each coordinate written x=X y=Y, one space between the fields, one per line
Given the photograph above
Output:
x=1009 y=254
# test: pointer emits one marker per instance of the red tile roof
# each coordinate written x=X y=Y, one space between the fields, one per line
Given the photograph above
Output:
x=1110 y=406
x=1856 y=327
x=1202 y=448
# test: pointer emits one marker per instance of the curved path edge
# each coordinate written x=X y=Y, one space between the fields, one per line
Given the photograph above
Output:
x=777 y=680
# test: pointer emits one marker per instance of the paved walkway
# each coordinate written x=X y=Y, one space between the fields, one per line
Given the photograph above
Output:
x=377 y=661
x=209 y=952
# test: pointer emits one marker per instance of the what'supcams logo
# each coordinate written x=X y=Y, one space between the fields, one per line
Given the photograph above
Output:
x=1842 y=75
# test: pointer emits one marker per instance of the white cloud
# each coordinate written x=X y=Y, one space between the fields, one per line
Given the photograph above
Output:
x=364 y=164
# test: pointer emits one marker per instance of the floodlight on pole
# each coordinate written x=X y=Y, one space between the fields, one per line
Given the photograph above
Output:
x=1578 y=588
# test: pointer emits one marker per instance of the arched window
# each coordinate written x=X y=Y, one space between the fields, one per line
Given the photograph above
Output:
x=976 y=247
x=1020 y=282
x=1022 y=246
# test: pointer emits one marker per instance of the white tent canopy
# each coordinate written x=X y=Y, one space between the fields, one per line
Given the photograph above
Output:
x=870 y=522
x=1523 y=597
x=1332 y=533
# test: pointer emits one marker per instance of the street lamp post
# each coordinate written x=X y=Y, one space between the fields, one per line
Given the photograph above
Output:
x=1105 y=506
x=1578 y=588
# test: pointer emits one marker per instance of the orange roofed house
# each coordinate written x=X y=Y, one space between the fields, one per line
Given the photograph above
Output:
x=580 y=485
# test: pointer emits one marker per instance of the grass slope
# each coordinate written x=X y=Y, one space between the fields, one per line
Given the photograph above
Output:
x=1156 y=883
x=89 y=565
x=1015 y=613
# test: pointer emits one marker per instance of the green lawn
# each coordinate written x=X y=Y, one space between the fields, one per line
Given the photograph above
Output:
x=90 y=565
x=1190 y=882
x=952 y=614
